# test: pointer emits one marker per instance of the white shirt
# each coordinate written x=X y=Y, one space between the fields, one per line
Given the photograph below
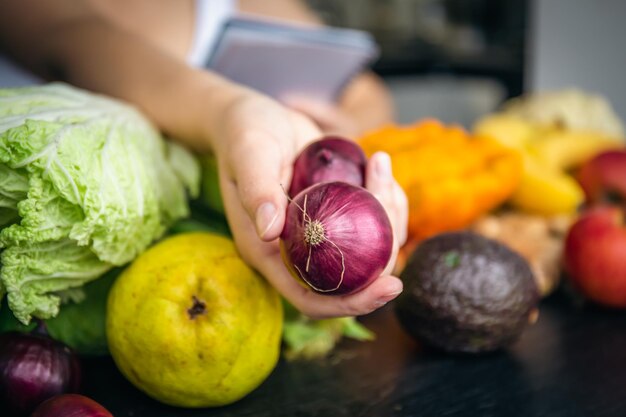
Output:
x=210 y=15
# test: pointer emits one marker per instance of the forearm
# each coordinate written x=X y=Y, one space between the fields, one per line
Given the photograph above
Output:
x=92 y=52
x=97 y=55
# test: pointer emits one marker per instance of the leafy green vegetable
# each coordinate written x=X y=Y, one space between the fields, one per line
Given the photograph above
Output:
x=86 y=183
x=210 y=184
x=13 y=189
x=309 y=339
x=80 y=325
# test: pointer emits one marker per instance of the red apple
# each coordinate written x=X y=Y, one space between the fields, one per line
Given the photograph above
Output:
x=595 y=255
x=603 y=178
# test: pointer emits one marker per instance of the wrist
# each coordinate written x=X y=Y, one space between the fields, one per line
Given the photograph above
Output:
x=210 y=97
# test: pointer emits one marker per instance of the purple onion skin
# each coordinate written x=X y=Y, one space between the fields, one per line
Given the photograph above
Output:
x=33 y=368
x=71 y=405
x=329 y=159
x=356 y=230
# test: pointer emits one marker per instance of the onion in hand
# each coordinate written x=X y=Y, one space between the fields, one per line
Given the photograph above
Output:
x=33 y=368
x=71 y=405
x=337 y=238
x=329 y=159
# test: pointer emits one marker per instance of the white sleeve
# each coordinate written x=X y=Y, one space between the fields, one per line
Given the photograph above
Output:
x=210 y=15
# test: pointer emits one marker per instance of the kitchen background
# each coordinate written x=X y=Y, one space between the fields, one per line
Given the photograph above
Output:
x=458 y=59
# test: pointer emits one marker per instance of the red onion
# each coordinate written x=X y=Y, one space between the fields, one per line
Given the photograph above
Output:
x=329 y=159
x=71 y=405
x=337 y=238
x=33 y=368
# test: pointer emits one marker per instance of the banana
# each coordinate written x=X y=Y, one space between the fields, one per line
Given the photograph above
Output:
x=546 y=191
x=564 y=150
x=545 y=188
x=510 y=131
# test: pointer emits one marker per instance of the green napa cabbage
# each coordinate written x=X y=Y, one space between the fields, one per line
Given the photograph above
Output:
x=86 y=183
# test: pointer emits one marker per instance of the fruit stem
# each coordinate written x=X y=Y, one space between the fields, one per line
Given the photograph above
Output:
x=198 y=308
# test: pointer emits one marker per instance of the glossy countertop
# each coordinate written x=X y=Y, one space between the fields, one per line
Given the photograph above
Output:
x=571 y=363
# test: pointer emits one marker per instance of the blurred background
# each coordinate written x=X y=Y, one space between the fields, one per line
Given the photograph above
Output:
x=459 y=59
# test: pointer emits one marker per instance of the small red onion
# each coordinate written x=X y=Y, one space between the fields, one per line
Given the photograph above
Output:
x=71 y=405
x=329 y=159
x=337 y=238
x=33 y=368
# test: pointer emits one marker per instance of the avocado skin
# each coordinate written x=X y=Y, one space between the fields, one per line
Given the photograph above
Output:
x=465 y=293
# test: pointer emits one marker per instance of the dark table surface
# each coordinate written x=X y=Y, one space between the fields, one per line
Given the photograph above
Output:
x=572 y=362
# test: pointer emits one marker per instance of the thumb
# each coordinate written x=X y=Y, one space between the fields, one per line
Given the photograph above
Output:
x=257 y=175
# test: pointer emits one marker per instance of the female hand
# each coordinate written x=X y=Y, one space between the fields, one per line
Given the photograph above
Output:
x=256 y=144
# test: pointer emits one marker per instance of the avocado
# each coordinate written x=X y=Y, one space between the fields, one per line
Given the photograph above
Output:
x=465 y=293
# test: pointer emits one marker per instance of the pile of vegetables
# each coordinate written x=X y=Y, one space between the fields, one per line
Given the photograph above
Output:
x=86 y=183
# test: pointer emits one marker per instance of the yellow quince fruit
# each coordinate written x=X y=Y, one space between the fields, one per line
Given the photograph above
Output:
x=191 y=325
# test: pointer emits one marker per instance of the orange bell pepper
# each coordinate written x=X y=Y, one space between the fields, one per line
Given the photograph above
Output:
x=450 y=177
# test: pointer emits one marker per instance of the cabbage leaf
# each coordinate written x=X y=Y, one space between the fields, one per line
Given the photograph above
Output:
x=86 y=183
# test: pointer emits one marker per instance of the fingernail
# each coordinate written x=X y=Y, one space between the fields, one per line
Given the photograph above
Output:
x=383 y=168
x=266 y=215
x=386 y=298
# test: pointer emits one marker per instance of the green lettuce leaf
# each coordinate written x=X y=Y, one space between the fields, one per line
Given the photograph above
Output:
x=80 y=324
x=87 y=183
x=309 y=339
x=210 y=182
x=13 y=189
x=32 y=274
